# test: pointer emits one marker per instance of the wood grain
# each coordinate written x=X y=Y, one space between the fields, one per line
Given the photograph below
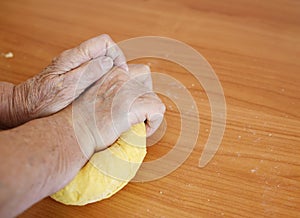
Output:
x=254 y=47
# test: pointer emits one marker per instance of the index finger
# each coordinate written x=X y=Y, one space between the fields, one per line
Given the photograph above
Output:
x=93 y=48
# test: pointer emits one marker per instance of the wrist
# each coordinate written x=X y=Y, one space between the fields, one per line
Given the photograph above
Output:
x=11 y=106
x=19 y=113
x=68 y=124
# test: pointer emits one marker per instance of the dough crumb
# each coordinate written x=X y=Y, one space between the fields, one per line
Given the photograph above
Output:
x=253 y=170
x=270 y=134
x=160 y=192
x=8 y=55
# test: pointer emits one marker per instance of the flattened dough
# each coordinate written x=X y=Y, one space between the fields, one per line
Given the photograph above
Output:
x=107 y=171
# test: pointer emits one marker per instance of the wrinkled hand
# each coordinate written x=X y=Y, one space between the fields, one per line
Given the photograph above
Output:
x=62 y=81
x=110 y=107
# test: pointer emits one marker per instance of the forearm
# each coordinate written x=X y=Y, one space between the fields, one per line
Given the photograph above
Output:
x=37 y=159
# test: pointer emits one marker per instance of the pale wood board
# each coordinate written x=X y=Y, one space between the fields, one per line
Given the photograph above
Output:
x=254 y=48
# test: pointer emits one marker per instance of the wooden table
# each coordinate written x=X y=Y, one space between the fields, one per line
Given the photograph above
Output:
x=254 y=48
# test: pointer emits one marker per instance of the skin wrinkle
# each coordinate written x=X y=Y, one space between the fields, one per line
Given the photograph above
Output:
x=65 y=162
x=16 y=101
x=6 y=91
x=85 y=135
x=130 y=92
x=48 y=152
x=56 y=157
x=85 y=52
x=55 y=87
x=12 y=100
x=42 y=167
x=92 y=76
x=43 y=96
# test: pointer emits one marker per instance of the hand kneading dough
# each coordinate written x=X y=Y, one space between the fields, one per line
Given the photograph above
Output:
x=107 y=171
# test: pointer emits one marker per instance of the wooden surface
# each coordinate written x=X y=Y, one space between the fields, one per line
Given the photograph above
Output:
x=254 y=47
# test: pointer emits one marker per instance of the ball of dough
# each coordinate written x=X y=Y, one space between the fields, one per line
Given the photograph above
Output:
x=107 y=171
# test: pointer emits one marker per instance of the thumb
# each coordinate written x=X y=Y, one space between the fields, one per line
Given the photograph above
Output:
x=150 y=110
x=94 y=48
x=87 y=74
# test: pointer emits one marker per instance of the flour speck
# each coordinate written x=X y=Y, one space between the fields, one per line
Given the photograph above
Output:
x=8 y=55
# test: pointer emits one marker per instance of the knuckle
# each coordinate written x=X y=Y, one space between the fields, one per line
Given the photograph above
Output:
x=120 y=74
x=82 y=50
x=139 y=68
x=55 y=60
x=105 y=37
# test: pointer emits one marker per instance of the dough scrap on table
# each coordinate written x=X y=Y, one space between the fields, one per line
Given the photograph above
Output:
x=107 y=171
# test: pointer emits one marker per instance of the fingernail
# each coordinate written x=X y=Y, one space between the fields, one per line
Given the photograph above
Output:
x=107 y=63
x=125 y=67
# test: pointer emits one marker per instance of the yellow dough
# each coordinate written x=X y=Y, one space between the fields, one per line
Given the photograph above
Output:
x=107 y=171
